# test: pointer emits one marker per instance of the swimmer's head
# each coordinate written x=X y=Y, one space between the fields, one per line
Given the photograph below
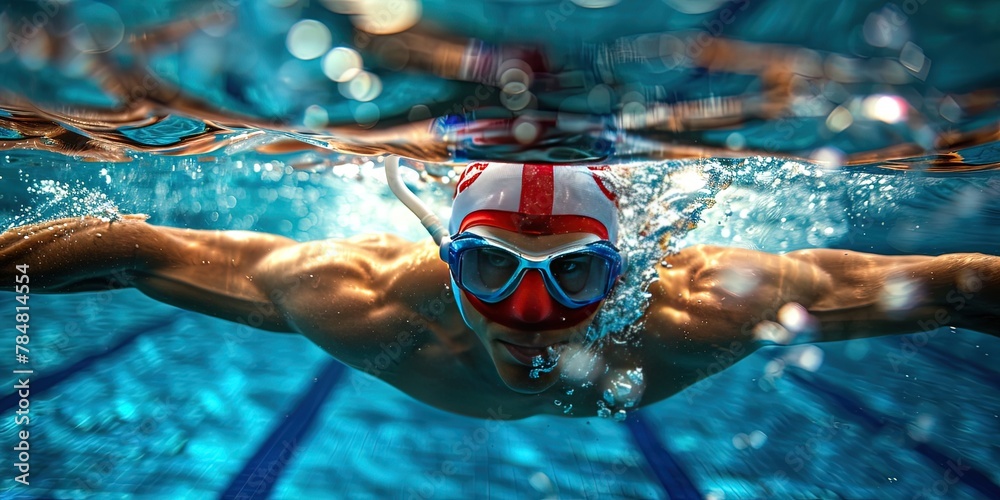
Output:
x=533 y=259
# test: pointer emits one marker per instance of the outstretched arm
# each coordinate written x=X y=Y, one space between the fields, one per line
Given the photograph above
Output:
x=210 y=272
x=721 y=294
x=350 y=296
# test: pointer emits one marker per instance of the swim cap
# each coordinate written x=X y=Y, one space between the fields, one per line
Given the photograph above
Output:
x=535 y=199
x=538 y=200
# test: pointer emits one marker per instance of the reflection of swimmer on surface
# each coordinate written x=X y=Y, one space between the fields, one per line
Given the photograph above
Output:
x=532 y=253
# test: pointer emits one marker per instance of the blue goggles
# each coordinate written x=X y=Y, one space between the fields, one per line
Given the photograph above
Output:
x=576 y=275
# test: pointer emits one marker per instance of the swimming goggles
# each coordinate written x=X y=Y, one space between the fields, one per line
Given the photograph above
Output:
x=576 y=274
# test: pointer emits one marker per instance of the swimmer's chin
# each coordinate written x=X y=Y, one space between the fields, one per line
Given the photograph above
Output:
x=517 y=377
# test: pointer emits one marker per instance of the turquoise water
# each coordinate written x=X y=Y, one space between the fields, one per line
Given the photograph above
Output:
x=169 y=403
x=215 y=123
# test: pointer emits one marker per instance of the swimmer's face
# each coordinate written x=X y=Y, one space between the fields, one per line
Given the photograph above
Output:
x=528 y=331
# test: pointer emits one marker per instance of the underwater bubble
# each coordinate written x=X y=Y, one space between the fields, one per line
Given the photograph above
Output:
x=950 y=110
x=308 y=39
x=856 y=350
x=828 y=157
x=418 y=113
x=839 y=119
x=769 y=331
x=363 y=87
x=516 y=102
x=525 y=132
x=794 y=317
x=609 y=397
x=756 y=439
x=774 y=369
x=316 y=117
x=695 y=6
x=877 y=30
x=342 y=64
x=541 y=483
x=636 y=376
x=599 y=99
x=579 y=363
x=899 y=293
x=596 y=4
x=921 y=428
x=807 y=357
x=101 y=29
x=735 y=141
x=886 y=108
x=383 y=18
x=741 y=441
x=738 y=281
x=912 y=58
x=969 y=281
x=367 y=114
x=715 y=495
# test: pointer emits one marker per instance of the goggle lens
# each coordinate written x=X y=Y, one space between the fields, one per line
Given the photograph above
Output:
x=581 y=276
x=490 y=272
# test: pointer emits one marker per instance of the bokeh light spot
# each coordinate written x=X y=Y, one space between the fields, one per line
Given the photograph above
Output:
x=308 y=39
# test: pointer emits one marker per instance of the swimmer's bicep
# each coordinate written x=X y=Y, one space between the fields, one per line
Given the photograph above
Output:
x=353 y=297
x=210 y=272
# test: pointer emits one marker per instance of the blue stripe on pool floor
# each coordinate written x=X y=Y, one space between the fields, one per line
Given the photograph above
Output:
x=949 y=358
x=842 y=398
x=665 y=466
x=262 y=471
x=40 y=384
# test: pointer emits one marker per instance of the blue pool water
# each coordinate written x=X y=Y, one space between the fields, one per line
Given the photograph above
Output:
x=134 y=398
x=863 y=125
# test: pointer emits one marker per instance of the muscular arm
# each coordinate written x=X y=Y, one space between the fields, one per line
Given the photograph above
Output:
x=342 y=294
x=722 y=294
x=210 y=272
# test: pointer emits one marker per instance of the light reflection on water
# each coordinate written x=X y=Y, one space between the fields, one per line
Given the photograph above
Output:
x=873 y=86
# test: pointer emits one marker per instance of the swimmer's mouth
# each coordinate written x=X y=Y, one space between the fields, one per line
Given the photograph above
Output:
x=525 y=355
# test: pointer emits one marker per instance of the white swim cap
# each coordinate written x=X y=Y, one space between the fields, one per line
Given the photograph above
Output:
x=535 y=199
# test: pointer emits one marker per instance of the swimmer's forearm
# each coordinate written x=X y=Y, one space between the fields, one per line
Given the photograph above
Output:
x=921 y=294
x=75 y=254
x=211 y=272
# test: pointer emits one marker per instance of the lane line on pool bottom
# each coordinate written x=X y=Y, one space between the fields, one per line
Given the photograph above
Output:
x=41 y=384
x=665 y=466
x=840 y=397
x=261 y=472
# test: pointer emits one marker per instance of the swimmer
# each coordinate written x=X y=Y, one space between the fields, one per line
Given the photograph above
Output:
x=491 y=317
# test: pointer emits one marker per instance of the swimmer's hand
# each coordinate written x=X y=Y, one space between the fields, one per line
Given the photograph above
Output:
x=74 y=253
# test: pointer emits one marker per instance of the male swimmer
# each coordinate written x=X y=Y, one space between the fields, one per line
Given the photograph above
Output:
x=530 y=256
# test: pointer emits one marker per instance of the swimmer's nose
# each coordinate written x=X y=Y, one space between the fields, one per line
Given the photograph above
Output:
x=531 y=302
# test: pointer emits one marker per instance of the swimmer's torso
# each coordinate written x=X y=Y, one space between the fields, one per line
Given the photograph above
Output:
x=422 y=346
